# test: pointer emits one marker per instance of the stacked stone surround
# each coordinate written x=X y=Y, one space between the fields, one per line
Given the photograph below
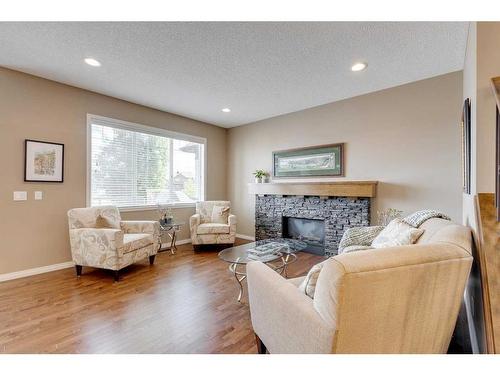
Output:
x=339 y=213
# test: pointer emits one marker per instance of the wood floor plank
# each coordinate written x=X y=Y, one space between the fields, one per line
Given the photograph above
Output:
x=184 y=303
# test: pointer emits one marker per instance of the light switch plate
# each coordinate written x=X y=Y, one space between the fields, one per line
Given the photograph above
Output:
x=20 y=195
x=38 y=195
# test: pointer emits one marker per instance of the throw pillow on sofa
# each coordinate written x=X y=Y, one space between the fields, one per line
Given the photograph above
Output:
x=397 y=233
x=308 y=285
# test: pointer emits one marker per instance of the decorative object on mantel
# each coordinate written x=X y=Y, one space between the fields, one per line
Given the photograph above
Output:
x=315 y=161
x=385 y=216
x=466 y=146
x=165 y=214
x=43 y=161
x=260 y=176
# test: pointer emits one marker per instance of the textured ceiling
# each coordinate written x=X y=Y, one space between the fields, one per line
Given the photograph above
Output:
x=258 y=69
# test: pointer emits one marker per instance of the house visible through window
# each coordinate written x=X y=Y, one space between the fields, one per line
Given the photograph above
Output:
x=135 y=166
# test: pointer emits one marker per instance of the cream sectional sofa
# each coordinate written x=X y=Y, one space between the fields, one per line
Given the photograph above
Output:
x=394 y=300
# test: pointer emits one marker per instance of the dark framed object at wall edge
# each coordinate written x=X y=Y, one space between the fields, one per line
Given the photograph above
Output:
x=336 y=148
x=466 y=146
x=61 y=167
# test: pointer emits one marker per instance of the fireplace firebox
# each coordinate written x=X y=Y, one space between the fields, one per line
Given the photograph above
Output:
x=310 y=231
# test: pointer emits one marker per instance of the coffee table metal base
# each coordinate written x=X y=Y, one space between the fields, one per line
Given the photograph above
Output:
x=240 y=274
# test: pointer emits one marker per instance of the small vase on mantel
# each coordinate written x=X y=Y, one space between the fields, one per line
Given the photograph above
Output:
x=259 y=175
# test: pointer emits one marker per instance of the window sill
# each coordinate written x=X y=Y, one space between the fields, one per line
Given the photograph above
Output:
x=154 y=208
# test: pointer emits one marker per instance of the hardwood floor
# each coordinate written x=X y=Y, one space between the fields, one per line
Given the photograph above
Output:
x=184 y=303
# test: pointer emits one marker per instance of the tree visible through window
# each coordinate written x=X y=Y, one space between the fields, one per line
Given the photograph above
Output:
x=135 y=168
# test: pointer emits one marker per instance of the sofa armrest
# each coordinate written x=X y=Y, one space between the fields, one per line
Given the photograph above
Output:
x=90 y=245
x=141 y=226
x=359 y=236
x=283 y=317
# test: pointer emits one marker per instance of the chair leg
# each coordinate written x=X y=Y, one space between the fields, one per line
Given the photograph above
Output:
x=117 y=275
x=152 y=259
x=78 y=270
x=261 y=348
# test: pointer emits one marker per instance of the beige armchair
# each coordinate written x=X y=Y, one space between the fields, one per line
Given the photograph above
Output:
x=212 y=224
x=402 y=299
x=99 y=238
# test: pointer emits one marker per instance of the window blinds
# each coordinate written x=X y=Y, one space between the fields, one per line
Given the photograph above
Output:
x=133 y=168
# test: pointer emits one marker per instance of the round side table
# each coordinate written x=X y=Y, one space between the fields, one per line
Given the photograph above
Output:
x=171 y=230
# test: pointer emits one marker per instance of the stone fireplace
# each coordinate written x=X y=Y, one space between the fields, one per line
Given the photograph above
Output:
x=285 y=216
x=316 y=212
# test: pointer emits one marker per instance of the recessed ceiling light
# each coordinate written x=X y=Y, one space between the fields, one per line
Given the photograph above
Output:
x=226 y=110
x=359 y=67
x=92 y=62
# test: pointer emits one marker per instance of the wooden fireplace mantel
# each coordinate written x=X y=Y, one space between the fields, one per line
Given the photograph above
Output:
x=322 y=189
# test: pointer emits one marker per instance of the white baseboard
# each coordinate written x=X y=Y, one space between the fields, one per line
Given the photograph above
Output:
x=35 y=271
x=245 y=237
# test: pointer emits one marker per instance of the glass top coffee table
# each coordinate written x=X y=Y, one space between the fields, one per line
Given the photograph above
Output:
x=277 y=253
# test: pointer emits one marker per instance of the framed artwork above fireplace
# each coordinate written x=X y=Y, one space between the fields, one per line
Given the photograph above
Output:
x=315 y=161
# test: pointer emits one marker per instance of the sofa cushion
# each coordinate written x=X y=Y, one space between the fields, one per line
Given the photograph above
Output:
x=397 y=233
x=136 y=241
x=213 y=228
x=358 y=236
x=220 y=214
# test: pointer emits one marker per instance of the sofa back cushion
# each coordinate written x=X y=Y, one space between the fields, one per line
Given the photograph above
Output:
x=94 y=217
x=401 y=299
x=445 y=231
x=206 y=208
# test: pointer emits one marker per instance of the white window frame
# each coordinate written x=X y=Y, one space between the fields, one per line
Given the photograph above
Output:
x=132 y=126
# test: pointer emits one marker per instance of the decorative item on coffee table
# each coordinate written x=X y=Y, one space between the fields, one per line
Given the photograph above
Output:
x=277 y=253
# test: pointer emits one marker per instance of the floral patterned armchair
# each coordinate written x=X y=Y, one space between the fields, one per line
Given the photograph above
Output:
x=99 y=238
x=212 y=224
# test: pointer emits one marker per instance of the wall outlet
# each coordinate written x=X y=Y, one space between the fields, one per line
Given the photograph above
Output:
x=38 y=195
x=20 y=195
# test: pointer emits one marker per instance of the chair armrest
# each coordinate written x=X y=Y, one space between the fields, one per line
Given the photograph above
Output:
x=141 y=226
x=194 y=220
x=92 y=244
x=283 y=317
x=359 y=236
x=231 y=220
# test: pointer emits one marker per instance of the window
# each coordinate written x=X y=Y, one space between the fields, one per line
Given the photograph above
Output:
x=134 y=166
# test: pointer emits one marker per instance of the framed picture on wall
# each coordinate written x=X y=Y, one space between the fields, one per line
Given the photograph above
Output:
x=43 y=161
x=316 y=161
x=466 y=146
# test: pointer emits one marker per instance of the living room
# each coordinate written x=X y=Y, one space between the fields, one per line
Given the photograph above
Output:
x=249 y=187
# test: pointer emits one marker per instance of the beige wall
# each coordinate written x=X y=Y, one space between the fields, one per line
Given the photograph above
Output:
x=35 y=233
x=407 y=137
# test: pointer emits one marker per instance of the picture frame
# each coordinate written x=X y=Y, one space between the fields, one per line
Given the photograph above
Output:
x=466 y=146
x=43 y=161
x=306 y=162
